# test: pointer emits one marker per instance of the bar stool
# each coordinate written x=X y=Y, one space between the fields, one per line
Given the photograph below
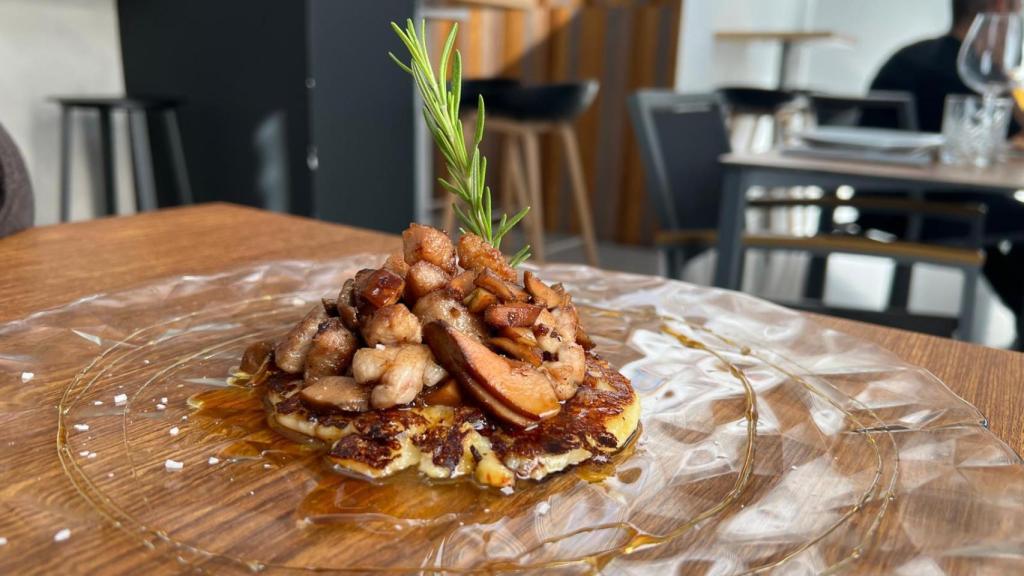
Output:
x=137 y=111
x=521 y=114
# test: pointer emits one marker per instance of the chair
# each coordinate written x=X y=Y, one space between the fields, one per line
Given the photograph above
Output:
x=138 y=111
x=877 y=109
x=521 y=114
x=16 y=200
x=757 y=103
x=681 y=138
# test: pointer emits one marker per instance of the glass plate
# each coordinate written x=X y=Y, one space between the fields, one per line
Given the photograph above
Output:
x=768 y=443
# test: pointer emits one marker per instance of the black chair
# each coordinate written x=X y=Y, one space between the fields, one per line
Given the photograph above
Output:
x=521 y=114
x=877 y=109
x=138 y=111
x=681 y=138
x=16 y=200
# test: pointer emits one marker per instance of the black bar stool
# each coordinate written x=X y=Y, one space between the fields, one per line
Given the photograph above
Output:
x=521 y=114
x=137 y=111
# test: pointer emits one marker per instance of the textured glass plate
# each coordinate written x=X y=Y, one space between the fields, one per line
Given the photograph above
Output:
x=768 y=443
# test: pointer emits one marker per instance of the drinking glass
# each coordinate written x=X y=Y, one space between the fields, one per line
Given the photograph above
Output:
x=990 y=55
x=974 y=129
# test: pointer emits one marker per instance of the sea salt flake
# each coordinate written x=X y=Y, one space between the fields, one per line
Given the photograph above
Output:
x=213 y=460
x=91 y=455
x=543 y=508
x=61 y=536
x=82 y=427
x=173 y=431
x=173 y=464
x=298 y=301
x=120 y=399
x=97 y=402
x=163 y=399
x=379 y=347
x=83 y=453
x=27 y=376
x=161 y=407
x=3 y=541
x=507 y=490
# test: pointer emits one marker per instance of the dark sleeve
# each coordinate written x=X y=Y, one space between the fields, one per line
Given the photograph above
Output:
x=894 y=75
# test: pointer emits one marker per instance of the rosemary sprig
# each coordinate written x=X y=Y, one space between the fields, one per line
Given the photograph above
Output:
x=467 y=170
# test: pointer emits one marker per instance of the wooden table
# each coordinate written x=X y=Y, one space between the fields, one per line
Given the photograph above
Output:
x=50 y=266
x=743 y=170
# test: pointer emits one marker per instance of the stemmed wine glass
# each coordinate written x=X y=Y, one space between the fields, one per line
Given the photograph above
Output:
x=990 y=63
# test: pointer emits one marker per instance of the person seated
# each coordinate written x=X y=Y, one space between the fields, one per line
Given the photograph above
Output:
x=928 y=70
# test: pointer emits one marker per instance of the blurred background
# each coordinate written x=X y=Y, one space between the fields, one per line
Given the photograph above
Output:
x=292 y=105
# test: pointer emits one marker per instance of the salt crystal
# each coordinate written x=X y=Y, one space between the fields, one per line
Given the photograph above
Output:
x=173 y=431
x=83 y=453
x=161 y=407
x=507 y=490
x=543 y=508
x=3 y=541
x=173 y=465
x=91 y=455
x=163 y=399
x=298 y=301
x=184 y=417
x=120 y=399
x=267 y=466
x=61 y=536
x=379 y=347
x=213 y=460
x=27 y=376
x=97 y=403
x=81 y=427
x=145 y=361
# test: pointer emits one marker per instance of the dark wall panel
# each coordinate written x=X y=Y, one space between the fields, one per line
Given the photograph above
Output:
x=241 y=67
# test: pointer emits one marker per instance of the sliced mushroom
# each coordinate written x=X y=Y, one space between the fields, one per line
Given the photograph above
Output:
x=542 y=294
x=346 y=305
x=504 y=290
x=290 y=352
x=256 y=357
x=337 y=393
x=462 y=284
x=554 y=327
x=391 y=325
x=517 y=315
x=424 y=278
x=568 y=371
x=332 y=350
x=476 y=254
x=517 y=350
x=480 y=300
x=429 y=244
x=441 y=306
x=515 y=392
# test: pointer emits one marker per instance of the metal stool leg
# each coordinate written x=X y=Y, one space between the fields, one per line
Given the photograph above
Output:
x=965 y=325
x=531 y=143
x=65 y=163
x=178 y=157
x=107 y=163
x=142 y=162
x=579 y=189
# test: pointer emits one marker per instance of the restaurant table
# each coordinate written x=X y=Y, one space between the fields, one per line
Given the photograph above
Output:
x=786 y=40
x=49 y=266
x=774 y=169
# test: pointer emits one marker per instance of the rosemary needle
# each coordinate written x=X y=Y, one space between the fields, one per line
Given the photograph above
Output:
x=467 y=169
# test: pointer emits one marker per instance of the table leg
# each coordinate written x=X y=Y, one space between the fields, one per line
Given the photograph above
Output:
x=786 y=48
x=107 y=163
x=899 y=294
x=731 y=216
x=965 y=326
x=65 y=164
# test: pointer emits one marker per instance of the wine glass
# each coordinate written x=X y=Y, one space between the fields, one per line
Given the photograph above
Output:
x=989 y=62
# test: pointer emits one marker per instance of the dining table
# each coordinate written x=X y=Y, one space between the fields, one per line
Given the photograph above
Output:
x=776 y=168
x=49 y=266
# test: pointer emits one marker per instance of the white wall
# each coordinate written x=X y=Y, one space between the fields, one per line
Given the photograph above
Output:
x=877 y=27
x=49 y=48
